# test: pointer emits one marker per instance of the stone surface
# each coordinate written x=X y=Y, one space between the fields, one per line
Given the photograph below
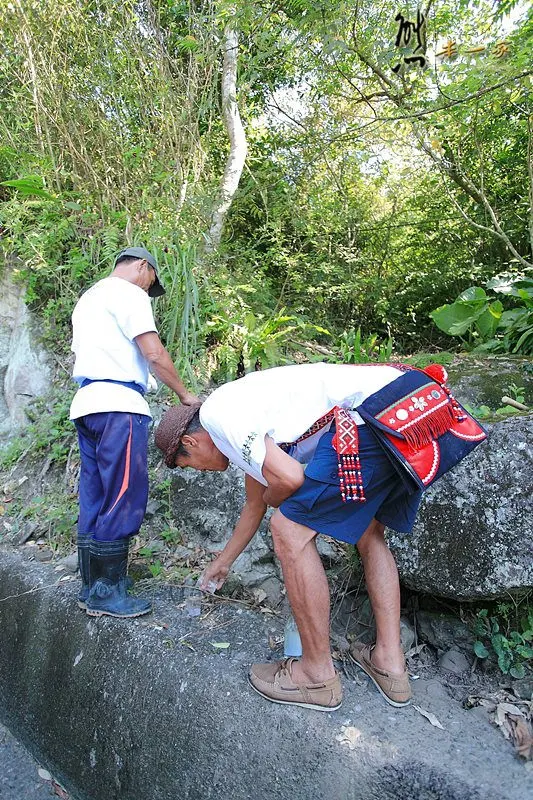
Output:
x=444 y=631
x=149 y=709
x=24 y=366
x=484 y=381
x=407 y=634
x=473 y=537
x=152 y=507
x=43 y=554
x=524 y=688
x=330 y=551
x=454 y=661
x=70 y=563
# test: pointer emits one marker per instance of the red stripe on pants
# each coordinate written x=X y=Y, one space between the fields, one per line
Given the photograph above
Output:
x=126 y=478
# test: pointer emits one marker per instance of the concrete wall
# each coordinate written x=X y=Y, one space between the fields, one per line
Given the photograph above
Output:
x=150 y=710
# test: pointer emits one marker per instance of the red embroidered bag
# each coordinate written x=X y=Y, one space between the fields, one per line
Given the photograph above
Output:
x=421 y=426
x=415 y=418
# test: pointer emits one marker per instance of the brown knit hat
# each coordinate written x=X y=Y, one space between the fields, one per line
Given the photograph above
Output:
x=173 y=425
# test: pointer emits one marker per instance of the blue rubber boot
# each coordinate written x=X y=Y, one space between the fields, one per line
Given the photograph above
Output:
x=108 y=594
x=84 y=560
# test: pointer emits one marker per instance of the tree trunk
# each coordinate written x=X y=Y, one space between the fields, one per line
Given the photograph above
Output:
x=236 y=135
x=530 y=174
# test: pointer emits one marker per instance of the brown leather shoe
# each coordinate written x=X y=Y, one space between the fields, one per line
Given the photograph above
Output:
x=394 y=686
x=274 y=682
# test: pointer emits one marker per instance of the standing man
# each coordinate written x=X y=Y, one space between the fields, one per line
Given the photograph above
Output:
x=270 y=424
x=116 y=345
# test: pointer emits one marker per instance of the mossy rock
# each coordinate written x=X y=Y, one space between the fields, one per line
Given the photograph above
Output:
x=484 y=380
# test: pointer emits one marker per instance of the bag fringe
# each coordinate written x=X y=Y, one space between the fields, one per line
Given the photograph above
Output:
x=422 y=432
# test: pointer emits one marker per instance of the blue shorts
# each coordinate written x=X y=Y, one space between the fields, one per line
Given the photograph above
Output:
x=318 y=504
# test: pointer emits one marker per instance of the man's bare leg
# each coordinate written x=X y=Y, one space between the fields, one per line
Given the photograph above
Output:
x=308 y=593
x=383 y=585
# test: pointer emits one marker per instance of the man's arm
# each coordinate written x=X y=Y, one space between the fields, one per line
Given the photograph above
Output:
x=283 y=474
x=162 y=366
x=249 y=520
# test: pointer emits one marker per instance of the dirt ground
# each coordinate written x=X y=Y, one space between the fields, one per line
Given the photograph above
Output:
x=21 y=777
x=469 y=729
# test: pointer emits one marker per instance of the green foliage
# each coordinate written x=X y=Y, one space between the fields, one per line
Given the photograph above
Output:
x=512 y=646
x=162 y=491
x=148 y=550
x=180 y=307
x=31 y=185
x=50 y=434
x=58 y=252
x=156 y=568
x=470 y=310
x=56 y=512
x=489 y=326
x=518 y=393
x=171 y=536
x=484 y=412
x=355 y=211
x=479 y=412
x=240 y=341
x=353 y=349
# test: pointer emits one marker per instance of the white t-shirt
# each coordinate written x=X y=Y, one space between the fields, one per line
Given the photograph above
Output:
x=283 y=403
x=105 y=322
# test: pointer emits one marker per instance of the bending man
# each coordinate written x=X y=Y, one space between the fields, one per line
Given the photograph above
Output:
x=270 y=424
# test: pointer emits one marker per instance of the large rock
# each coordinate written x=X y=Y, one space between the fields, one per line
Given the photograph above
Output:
x=24 y=368
x=473 y=537
x=485 y=380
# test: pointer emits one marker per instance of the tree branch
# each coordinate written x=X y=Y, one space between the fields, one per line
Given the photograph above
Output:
x=449 y=165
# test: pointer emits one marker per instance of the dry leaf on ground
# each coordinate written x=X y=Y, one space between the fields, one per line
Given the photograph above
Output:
x=515 y=727
x=259 y=595
x=415 y=651
x=523 y=739
x=59 y=791
x=509 y=708
x=474 y=700
x=431 y=717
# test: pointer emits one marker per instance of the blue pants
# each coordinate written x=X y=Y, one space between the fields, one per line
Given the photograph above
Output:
x=114 y=474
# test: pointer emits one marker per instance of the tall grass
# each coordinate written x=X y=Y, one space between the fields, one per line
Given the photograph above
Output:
x=178 y=311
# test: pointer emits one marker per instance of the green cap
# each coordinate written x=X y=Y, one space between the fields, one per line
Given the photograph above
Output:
x=157 y=289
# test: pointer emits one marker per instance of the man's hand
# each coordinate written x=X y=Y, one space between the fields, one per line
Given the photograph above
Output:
x=250 y=518
x=189 y=399
x=217 y=572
